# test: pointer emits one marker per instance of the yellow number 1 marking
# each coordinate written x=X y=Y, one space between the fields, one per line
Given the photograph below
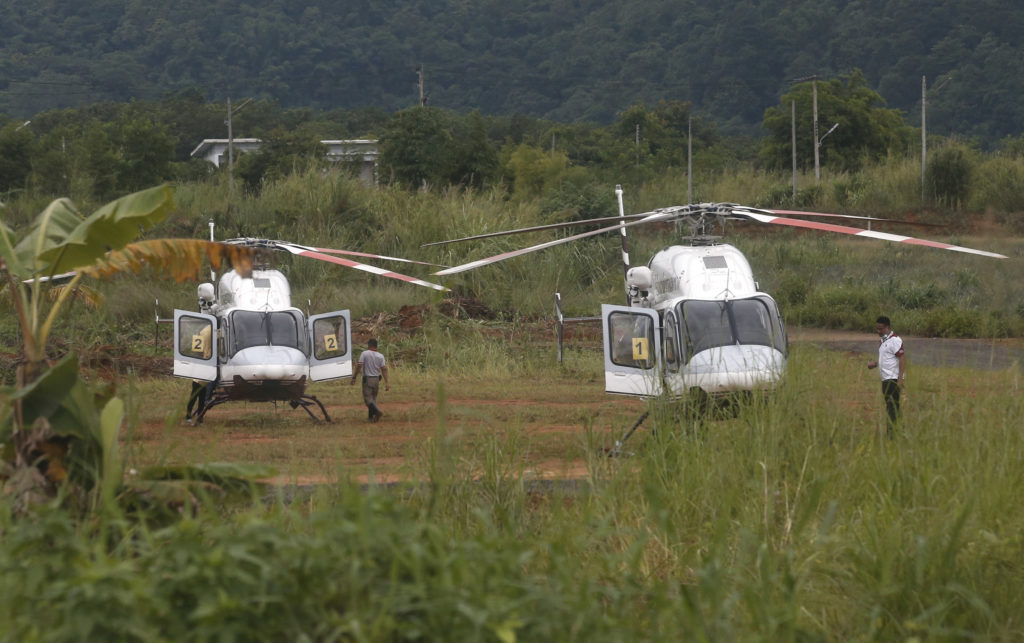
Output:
x=640 y=349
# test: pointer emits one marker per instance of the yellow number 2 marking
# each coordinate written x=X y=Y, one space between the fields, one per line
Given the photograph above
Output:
x=198 y=344
x=640 y=349
x=331 y=343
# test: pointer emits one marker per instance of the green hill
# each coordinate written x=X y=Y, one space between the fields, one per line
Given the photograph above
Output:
x=564 y=60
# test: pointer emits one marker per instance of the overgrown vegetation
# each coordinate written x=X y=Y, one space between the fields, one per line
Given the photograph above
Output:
x=790 y=521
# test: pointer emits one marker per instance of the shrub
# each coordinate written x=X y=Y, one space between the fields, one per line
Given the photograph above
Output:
x=948 y=175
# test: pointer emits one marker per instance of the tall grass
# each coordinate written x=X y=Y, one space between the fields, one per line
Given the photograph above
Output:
x=791 y=520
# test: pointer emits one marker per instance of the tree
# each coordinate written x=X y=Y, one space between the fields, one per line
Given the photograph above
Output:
x=664 y=135
x=15 y=155
x=146 y=150
x=534 y=170
x=476 y=160
x=417 y=148
x=867 y=129
x=280 y=154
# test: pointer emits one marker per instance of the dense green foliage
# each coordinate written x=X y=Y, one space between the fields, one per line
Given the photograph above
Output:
x=563 y=60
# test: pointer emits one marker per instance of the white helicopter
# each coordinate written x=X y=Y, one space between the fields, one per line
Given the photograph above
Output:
x=696 y=322
x=248 y=342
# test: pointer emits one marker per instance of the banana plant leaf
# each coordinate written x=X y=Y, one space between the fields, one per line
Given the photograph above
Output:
x=60 y=249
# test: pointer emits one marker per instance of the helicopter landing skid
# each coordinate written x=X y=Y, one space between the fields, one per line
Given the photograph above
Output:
x=616 y=451
x=305 y=401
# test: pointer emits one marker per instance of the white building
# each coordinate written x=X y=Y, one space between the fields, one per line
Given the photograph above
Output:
x=362 y=151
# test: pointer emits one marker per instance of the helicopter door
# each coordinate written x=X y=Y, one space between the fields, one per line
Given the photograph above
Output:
x=631 y=340
x=331 y=356
x=194 y=348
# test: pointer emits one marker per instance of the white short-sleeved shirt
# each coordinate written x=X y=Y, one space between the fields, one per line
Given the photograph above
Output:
x=372 y=362
x=890 y=349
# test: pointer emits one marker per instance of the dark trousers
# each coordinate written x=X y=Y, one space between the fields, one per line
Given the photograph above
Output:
x=201 y=393
x=891 y=394
x=371 y=387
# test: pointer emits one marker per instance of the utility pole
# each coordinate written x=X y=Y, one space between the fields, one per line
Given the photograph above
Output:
x=419 y=74
x=792 y=143
x=689 y=160
x=231 y=154
x=814 y=110
x=231 y=144
x=637 y=144
x=817 y=144
x=924 y=137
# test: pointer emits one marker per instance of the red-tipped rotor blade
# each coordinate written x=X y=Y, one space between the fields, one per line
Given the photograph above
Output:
x=353 y=253
x=860 y=232
x=315 y=254
x=848 y=216
x=652 y=217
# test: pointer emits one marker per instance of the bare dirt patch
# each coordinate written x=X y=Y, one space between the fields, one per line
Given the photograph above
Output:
x=549 y=430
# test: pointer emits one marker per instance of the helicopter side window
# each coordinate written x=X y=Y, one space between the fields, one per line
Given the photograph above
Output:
x=329 y=337
x=671 y=341
x=195 y=337
x=632 y=339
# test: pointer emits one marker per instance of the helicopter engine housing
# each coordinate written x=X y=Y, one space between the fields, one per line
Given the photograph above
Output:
x=700 y=272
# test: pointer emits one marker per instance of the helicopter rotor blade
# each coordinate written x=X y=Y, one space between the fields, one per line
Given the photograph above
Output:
x=549 y=226
x=665 y=214
x=314 y=254
x=858 y=232
x=368 y=255
x=830 y=215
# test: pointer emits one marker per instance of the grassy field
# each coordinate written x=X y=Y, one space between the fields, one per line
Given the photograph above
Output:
x=794 y=520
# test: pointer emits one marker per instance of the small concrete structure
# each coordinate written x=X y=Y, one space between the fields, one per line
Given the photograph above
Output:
x=362 y=151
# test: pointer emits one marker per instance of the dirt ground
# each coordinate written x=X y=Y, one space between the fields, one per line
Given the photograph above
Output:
x=981 y=354
x=383 y=452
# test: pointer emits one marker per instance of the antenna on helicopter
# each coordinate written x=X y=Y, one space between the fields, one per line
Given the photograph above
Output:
x=213 y=274
x=622 y=233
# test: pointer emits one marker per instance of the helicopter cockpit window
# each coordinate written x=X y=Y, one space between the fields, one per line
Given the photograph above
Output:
x=329 y=337
x=709 y=324
x=753 y=322
x=195 y=337
x=632 y=340
x=251 y=328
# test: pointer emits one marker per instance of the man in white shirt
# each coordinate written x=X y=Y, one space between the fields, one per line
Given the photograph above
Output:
x=374 y=367
x=892 y=365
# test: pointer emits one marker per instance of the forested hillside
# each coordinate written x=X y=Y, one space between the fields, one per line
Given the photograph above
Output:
x=563 y=60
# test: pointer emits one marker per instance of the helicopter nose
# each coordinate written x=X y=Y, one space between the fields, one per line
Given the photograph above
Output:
x=273 y=372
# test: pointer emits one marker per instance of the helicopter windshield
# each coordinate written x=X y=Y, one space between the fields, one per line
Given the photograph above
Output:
x=252 y=328
x=709 y=324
